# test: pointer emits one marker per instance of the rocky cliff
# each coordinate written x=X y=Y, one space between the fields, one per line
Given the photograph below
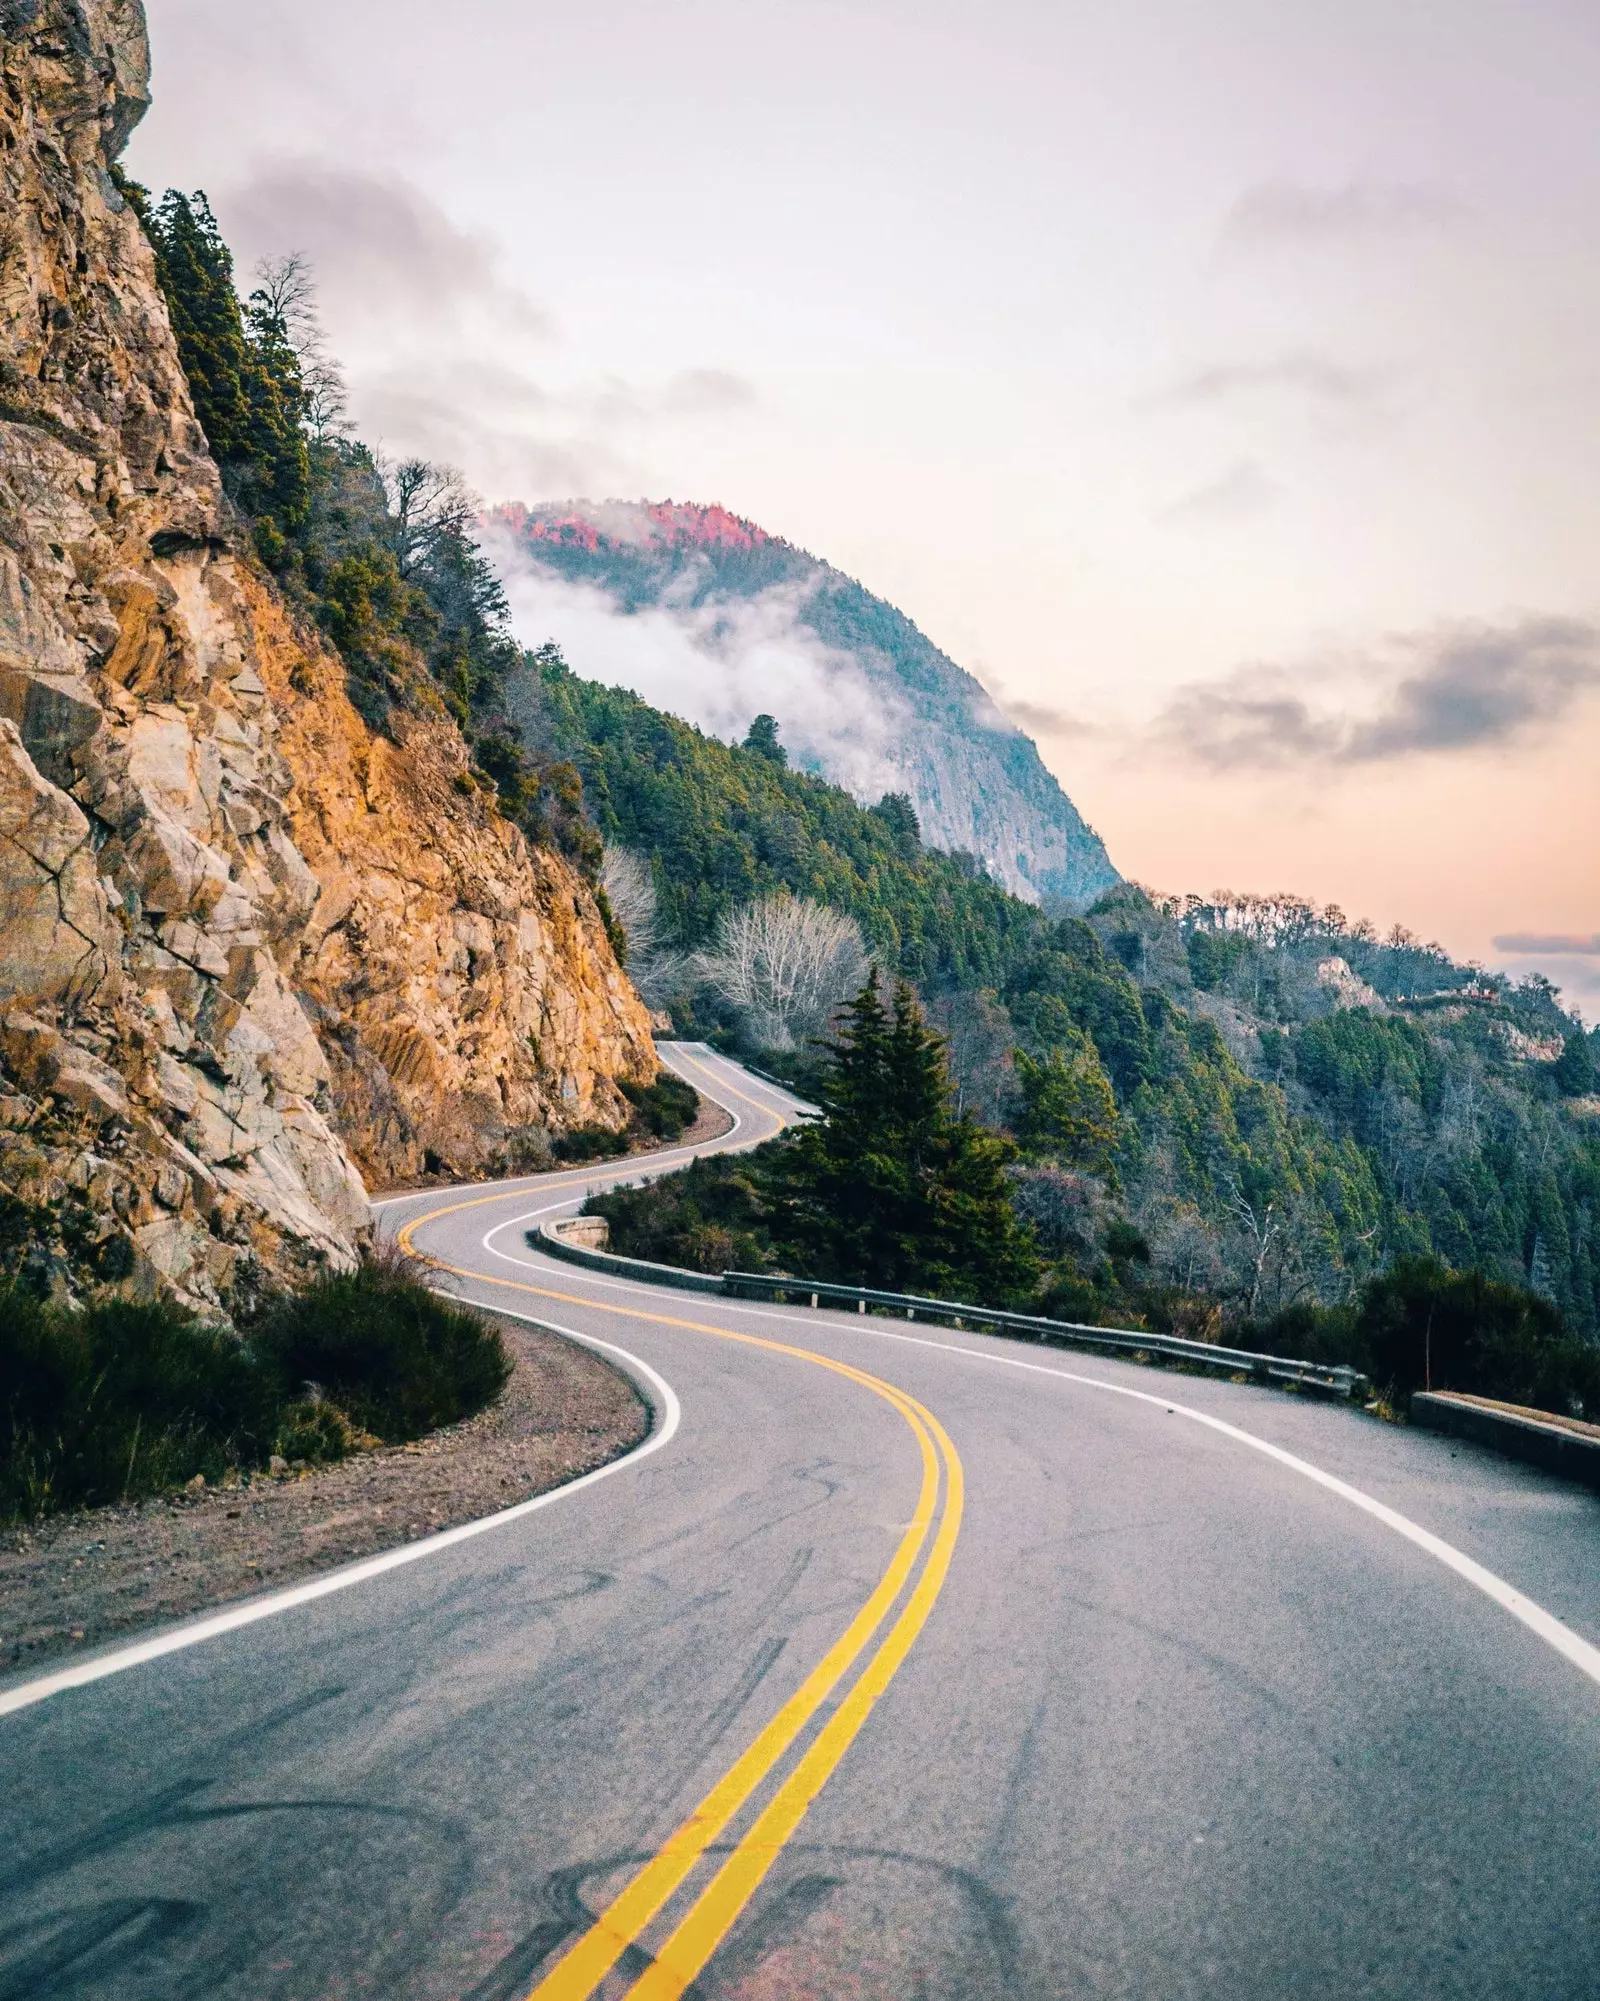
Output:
x=246 y=946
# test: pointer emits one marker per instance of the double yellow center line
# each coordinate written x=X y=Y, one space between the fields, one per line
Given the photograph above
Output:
x=716 y=1907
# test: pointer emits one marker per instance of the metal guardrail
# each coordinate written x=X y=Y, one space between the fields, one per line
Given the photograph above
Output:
x=1337 y=1379
x=1334 y=1379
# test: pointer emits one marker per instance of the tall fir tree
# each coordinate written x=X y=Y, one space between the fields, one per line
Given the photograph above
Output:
x=889 y=1188
x=242 y=368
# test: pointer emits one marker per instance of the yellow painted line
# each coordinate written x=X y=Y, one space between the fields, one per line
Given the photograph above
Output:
x=717 y=1909
x=722 y=1084
x=617 y=1170
x=585 y=1964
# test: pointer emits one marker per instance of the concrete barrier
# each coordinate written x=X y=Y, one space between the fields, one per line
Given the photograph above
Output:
x=1556 y=1444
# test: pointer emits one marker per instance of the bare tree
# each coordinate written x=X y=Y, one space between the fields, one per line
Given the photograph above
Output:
x=783 y=962
x=426 y=503
x=286 y=293
x=656 y=970
x=1288 y=1251
x=1067 y=1209
x=979 y=1036
x=1185 y=1246
x=631 y=891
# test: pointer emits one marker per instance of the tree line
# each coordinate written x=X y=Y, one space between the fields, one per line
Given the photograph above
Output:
x=1196 y=1128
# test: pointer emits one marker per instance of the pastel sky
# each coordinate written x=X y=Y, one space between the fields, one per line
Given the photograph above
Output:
x=1220 y=385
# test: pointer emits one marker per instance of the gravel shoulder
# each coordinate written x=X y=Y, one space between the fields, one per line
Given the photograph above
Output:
x=74 y=1582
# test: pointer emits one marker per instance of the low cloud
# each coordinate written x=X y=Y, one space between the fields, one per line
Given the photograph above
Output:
x=1040 y=719
x=1329 y=383
x=1279 y=212
x=435 y=339
x=384 y=252
x=719 y=664
x=1545 y=944
x=1243 y=493
x=1459 y=689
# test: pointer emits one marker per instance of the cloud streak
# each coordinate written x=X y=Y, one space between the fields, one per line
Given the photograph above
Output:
x=385 y=253
x=1243 y=493
x=1280 y=213
x=1467 y=688
x=1314 y=376
x=435 y=338
x=1549 y=944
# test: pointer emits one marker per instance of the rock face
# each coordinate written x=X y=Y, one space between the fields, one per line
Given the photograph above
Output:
x=247 y=945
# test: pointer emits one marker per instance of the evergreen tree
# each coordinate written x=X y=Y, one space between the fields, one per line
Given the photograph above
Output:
x=762 y=738
x=1066 y=1111
x=243 y=372
x=1575 y=1068
x=889 y=1189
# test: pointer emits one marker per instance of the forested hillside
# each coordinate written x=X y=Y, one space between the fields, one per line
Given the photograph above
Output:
x=879 y=697
x=1247 y=1101
x=1225 y=1106
x=722 y=823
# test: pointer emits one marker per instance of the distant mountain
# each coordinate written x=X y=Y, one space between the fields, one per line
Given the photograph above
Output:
x=861 y=695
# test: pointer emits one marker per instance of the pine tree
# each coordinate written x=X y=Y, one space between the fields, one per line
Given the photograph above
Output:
x=1066 y=1111
x=243 y=372
x=890 y=1189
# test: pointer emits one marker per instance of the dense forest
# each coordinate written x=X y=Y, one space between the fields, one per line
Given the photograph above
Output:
x=1221 y=1109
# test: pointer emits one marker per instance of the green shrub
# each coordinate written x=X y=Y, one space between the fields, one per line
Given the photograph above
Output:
x=666 y=1107
x=707 y=1217
x=588 y=1143
x=1421 y=1323
x=375 y=1342
x=121 y=1399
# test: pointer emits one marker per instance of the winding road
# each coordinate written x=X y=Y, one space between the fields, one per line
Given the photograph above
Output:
x=898 y=1663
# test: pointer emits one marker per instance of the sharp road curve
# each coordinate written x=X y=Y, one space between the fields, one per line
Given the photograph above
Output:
x=898 y=1662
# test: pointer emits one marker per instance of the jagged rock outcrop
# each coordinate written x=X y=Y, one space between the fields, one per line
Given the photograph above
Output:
x=243 y=938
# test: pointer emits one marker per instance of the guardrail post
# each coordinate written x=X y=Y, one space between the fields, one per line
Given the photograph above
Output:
x=861 y=1304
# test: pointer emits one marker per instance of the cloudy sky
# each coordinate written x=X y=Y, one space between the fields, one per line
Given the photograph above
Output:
x=1220 y=385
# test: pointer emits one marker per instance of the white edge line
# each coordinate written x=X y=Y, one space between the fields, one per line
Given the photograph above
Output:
x=669 y=1411
x=1570 y=1645
x=646 y=1164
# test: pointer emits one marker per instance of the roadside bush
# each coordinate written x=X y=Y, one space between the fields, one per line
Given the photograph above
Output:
x=1420 y=1322
x=709 y=1216
x=665 y=1108
x=119 y=1400
x=661 y=1110
x=1306 y=1332
x=384 y=1349
x=588 y=1143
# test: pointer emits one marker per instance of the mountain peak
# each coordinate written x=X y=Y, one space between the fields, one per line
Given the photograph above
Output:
x=702 y=612
x=667 y=526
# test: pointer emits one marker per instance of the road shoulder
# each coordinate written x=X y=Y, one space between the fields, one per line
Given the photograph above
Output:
x=74 y=1582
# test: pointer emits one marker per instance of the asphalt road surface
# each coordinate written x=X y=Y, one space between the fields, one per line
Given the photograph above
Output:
x=897 y=1663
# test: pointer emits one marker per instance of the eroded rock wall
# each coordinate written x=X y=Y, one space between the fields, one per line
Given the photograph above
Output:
x=244 y=943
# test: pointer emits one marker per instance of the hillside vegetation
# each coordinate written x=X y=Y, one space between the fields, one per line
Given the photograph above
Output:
x=1224 y=1110
x=919 y=724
